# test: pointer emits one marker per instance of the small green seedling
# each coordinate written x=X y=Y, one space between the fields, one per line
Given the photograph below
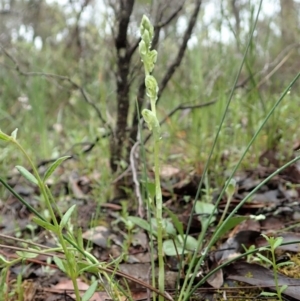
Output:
x=274 y=244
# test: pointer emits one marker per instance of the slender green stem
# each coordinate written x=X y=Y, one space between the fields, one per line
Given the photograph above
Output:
x=69 y=255
x=148 y=57
x=159 y=216
x=225 y=210
x=275 y=273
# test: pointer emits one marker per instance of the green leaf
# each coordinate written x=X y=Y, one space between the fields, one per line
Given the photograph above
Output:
x=44 y=224
x=140 y=222
x=27 y=175
x=53 y=167
x=283 y=288
x=263 y=249
x=231 y=223
x=205 y=210
x=177 y=223
x=84 y=266
x=66 y=216
x=150 y=187
x=170 y=249
x=60 y=263
x=27 y=254
x=3 y=260
x=90 y=291
x=171 y=245
x=191 y=242
x=282 y=264
x=168 y=227
x=278 y=241
x=265 y=259
x=268 y=294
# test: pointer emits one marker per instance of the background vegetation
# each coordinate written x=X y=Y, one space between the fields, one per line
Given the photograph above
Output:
x=62 y=80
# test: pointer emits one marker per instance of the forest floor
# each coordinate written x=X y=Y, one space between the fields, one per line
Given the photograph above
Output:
x=104 y=230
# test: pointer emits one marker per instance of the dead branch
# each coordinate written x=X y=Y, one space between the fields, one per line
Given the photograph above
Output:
x=172 y=16
x=133 y=165
x=182 y=49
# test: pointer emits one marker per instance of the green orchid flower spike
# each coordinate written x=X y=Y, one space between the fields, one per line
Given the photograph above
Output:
x=149 y=58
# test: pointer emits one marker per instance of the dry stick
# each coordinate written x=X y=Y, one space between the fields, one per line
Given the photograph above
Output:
x=25 y=250
x=133 y=161
x=23 y=241
x=181 y=50
x=279 y=57
x=275 y=69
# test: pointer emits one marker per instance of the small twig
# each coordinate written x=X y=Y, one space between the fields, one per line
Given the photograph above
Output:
x=191 y=107
x=274 y=70
x=182 y=49
x=170 y=18
x=88 y=148
x=157 y=28
x=133 y=159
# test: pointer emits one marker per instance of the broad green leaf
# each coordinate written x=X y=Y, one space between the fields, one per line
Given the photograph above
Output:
x=140 y=222
x=204 y=210
x=150 y=187
x=84 y=266
x=170 y=249
x=177 y=223
x=53 y=167
x=27 y=254
x=168 y=227
x=27 y=175
x=278 y=241
x=171 y=245
x=231 y=223
x=90 y=291
x=66 y=217
x=44 y=224
x=60 y=263
x=191 y=242
x=283 y=288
